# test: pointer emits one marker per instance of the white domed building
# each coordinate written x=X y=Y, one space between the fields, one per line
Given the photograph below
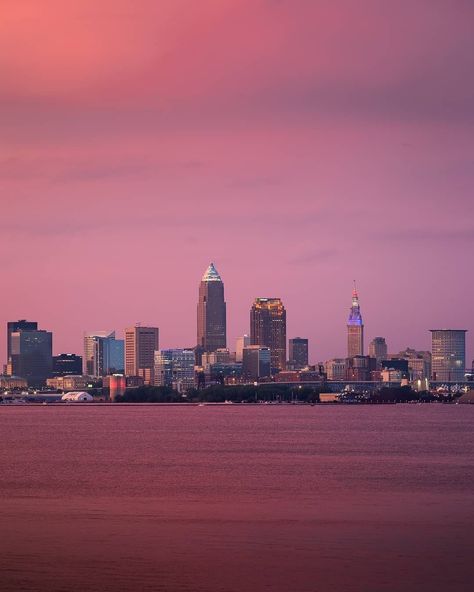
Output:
x=77 y=397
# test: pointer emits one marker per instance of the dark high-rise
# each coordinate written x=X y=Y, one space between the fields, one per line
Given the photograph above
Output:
x=268 y=328
x=67 y=365
x=32 y=356
x=298 y=352
x=21 y=325
x=211 y=312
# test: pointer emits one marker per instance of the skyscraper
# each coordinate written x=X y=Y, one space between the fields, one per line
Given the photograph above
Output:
x=378 y=349
x=21 y=325
x=298 y=352
x=32 y=355
x=140 y=346
x=211 y=312
x=268 y=328
x=355 y=329
x=448 y=354
x=103 y=354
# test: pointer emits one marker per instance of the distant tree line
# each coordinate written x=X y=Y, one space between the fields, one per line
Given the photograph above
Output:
x=270 y=392
x=220 y=394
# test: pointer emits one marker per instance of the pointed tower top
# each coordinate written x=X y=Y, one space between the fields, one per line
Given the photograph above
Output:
x=211 y=274
x=354 y=291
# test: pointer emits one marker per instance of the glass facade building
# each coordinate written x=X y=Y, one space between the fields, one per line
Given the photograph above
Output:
x=268 y=328
x=211 y=312
x=448 y=354
x=298 y=352
x=174 y=368
x=32 y=356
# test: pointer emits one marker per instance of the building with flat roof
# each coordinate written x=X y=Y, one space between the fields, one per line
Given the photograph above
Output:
x=268 y=329
x=65 y=364
x=298 y=353
x=32 y=355
x=256 y=363
x=175 y=368
x=448 y=354
x=140 y=346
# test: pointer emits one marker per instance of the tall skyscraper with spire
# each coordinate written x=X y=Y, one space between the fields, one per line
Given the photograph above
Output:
x=211 y=312
x=355 y=328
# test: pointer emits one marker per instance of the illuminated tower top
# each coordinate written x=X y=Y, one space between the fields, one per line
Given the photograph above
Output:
x=355 y=328
x=355 y=317
x=211 y=274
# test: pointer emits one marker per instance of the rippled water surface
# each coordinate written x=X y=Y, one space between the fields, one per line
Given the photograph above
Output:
x=229 y=498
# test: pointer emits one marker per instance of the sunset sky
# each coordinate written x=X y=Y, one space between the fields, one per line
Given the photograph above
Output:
x=297 y=144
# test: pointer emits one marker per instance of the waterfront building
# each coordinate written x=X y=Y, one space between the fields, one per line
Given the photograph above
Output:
x=298 y=353
x=65 y=364
x=211 y=312
x=241 y=342
x=448 y=354
x=70 y=382
x=140 y=346
x=174 y=368
x=31 y=355
x=335 y=369
x=115 y=384
x=378 y=349
x=256 y=362
x=12 y=382
x=268 y=329
x=355 y=329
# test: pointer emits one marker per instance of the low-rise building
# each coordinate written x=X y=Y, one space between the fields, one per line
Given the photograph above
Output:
x=70 y=383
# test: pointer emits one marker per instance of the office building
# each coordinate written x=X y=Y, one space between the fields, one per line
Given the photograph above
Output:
x=335 y=369
x=69 y=382
x=12 y=327
x=448 y=354
x=174 y=368
x=355 y=329
x=256 y=362
x=378 y=349
x=140 y=346
x=241 y=342
x=103 y=354
x=298 y=353
x=67 y=364
x=268 y=329
x=419 y=363
x=31 y=355
x=360 y=368
x=211 y=312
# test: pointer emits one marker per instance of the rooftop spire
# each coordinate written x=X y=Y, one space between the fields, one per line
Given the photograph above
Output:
x=211 y=274
x=355 y=317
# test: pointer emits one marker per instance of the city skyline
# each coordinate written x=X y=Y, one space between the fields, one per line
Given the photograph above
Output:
x=316 y=148
x=211 y=276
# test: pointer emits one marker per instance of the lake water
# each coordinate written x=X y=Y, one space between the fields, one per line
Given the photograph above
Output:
x=234 y=499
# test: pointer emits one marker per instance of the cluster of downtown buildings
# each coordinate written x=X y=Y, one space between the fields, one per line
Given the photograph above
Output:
x=259 y=356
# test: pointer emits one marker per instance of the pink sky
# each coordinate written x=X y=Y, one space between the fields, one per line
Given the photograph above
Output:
x=298 y=144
